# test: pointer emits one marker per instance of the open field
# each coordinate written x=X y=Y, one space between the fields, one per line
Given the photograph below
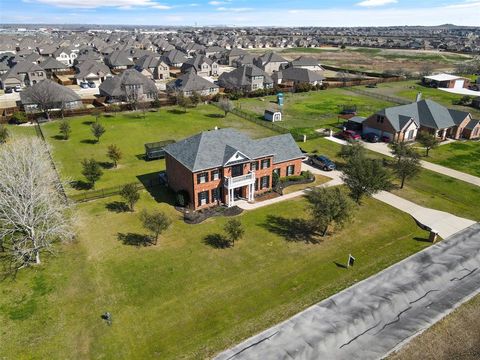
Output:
x=429 y=189
x=185 y=298
x=315 y=109
x=378 y=60
x=409 y=89
x=460 y=155
x=453 y=337
x=130 y=132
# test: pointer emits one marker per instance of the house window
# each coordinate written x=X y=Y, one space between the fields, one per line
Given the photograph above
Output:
x=215 y=175
x=202 y=198
x=380 y=119
x=256 y=184
x=475 y=132
x=215 y=195
x=254 y=166
x=264 y=182
x=290 y=170
x=202 y=178
x=265 y=163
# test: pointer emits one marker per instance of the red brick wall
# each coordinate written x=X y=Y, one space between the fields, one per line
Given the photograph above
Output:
x=283 y=167
x=179 y=177
x=208 y=186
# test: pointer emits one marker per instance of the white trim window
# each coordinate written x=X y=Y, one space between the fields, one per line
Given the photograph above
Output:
x=290 y=170
x=202 y=198
x=215 y=175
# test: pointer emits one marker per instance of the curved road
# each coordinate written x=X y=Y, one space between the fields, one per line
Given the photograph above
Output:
x=373 y=317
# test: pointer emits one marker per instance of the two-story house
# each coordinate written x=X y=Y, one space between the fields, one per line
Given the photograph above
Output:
x=270 y=62
x=202 y=65
x=153 y=67
x=246 y=78
x=190 y=82
x=129 y=86
x=23 y=73
x=221 y=166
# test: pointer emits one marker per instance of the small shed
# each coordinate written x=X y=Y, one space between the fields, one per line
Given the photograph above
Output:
x=355 y=123
x=272 y=115
x=156 y=150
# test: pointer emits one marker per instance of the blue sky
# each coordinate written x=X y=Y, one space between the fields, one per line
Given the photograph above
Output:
x=243 y=12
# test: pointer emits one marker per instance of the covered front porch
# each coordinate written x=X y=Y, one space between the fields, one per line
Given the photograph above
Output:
x=239 y=187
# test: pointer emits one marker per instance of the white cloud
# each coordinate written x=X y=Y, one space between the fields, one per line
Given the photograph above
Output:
x=162 y=7
x=375 y=3
x=465 y=5
x=216 y=3
x=123 y=4
x=239 y=9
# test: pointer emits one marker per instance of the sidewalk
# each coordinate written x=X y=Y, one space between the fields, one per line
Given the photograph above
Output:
x=383 y=149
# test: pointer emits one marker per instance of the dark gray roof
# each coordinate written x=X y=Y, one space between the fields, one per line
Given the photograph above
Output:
x=271 y=57
x=174 y=57
x=357 y=119
x=242 y=76
x=58 y=93
x=300 y=74
x=114 y=86
x=426 y=113
x=305 y=61
x=190 y=82
x=147 y=62
x=119 y=58
x=51 y=63
x=211 y=149
x=91 y=67
x=196 y=63
x=471 y=125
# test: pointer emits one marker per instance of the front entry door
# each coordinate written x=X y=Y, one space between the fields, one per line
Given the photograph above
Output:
x=237 y=193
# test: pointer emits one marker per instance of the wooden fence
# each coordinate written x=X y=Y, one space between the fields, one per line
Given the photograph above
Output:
x=392 y=99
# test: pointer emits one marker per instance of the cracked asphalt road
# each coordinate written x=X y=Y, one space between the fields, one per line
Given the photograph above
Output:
x=376 y=315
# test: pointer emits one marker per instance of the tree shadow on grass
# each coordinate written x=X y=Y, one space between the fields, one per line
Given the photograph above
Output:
x=291 y=229
x=88 y=122
x=58 y=137
x=117 y=206
x=217 y=241
x=134 y=239
x=176 y=111
x=88 y=141
x=215 y=116
x=105 y=164
x=80 y=185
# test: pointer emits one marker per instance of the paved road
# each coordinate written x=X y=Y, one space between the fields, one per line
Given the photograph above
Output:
x=375 y=316
x=383 y=149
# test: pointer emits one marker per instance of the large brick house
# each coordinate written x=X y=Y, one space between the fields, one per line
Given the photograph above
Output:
x=402 y=123
x=220 y=166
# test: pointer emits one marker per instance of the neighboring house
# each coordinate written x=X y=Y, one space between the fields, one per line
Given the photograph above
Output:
x=174 y=58
x=296 y=76
x=190 y=82
x=231 y=55
x=65 y=55
x=201 y=65
x=246 y=78
x=23 y=73
x=153 y=67
x=402 y=123
x=270 y=62
x=220 y=166
x=118 y=60
x=129 y=86
x=246 y=59
x=59 y=97
x=53 y=66
x=446 y=81
x=306 y=62
x=90 y=70
x=213 y=51
x=476 y=102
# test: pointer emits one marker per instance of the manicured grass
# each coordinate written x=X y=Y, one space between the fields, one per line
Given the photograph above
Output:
x=16 y=130
x=453 y=337
x=315 y=109
x=183 y=298
x=130 y=132
x=409 y=89
x=319 y=180
x=461 y=155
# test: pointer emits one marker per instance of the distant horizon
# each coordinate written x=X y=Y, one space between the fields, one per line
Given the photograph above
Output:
x=241 y=13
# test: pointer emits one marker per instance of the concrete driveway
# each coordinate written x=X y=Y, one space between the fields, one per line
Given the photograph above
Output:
x=379 y=314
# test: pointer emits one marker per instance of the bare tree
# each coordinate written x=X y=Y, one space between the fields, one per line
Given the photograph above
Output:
x=226 y=105
x=33 y=213
x=44 y=96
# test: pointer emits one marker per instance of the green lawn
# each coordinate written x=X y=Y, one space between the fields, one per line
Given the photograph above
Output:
x=184 y=298
x=409 y=89
x=461 y=155
x=15 y=130
x=130 y=132
x=315 y=109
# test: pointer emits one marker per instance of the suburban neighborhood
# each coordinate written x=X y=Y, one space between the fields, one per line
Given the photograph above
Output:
x=235 y=189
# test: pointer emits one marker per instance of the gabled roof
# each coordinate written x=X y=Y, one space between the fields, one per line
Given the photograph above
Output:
x=305 y=61
x=58 y=93
x=148 y=62
x=91 y=67
x=51 y=63
x=299 y=74
x=119 y=58
x=115 y=86
x=196 y=62
x=175 y=57
x=190 y=82
x=242 y=76
x=425 y=113
x=211 y=149
x=271 y=57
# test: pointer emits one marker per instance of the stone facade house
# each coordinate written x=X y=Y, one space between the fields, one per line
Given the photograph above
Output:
x=270 y=62
x=129 y=86
x=246 y=78
x=222 y=166
x=191 y=82
x=201 y=65
x=153 y=67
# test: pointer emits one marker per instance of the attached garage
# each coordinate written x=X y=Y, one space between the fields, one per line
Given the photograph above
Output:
x=459 y=84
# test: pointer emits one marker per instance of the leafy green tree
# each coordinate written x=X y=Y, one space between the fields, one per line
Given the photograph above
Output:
x=234 y=230
x=4 y=134
x=226 y=105
x=131 y=195
x=19 y=117
x=407 y=168
x=183 y=101
x=97 y=130
x=365 y=177
x=92 y=171
x=96 y=113
x=329 y=206
x=155 y=222
x=353 y=149
x=428 y=141
x=195 y=98
x=115 y=108
x=65 y=129
x=114 y=154
x=401 y=149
